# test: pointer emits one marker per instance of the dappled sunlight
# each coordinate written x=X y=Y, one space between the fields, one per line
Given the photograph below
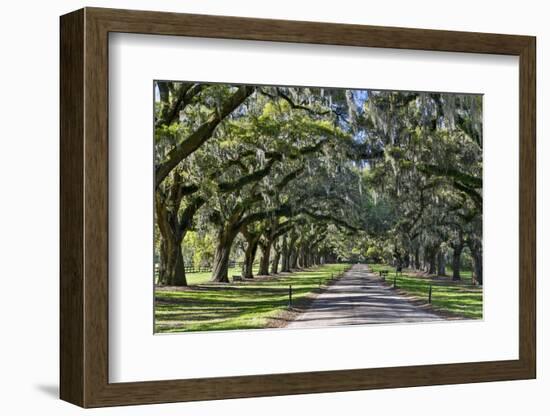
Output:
x=245 y=305
x=460 y=297
x=270 y=201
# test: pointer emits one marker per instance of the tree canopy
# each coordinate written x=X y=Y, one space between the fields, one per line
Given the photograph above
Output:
x=310 y=175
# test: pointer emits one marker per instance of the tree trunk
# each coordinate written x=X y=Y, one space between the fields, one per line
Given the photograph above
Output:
x=441 y=264
x=431 y=258
x=406 y=260
x=221 y=262
x=221 y=258
x=425 y=264
x=475 y=249
x=305 y=256
x=179 y=278
x=300 y=257
x=249 y=256
x=162 y=254
x=264 y=261
x=397 y=259
x=417 y=258
x=432 y=266
x=172 y=231
x=294 y=257
x=293 y=251
x=457 y=252
x=478 y=267
x=171 y=266
x=275 y=262
x=285 y=264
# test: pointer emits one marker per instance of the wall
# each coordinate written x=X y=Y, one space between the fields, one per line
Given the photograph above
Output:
x=29 y=212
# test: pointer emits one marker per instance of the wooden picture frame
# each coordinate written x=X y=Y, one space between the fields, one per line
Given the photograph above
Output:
x=84 y=207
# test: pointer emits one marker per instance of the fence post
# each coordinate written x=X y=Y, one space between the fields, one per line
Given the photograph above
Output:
x=290 y=296
x=430 y=295
x=395 y=282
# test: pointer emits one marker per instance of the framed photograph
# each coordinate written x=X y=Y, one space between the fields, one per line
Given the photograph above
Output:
x=257 y=207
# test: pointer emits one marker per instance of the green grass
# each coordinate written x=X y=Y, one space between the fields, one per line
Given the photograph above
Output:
x=464 y=274
x=242 y=305
x=459 y=298
x=204 y=277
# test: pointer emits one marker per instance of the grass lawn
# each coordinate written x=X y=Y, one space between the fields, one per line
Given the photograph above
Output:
x=204 y=277
x=464 y=274
x=459 y=298
x=242 y=305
